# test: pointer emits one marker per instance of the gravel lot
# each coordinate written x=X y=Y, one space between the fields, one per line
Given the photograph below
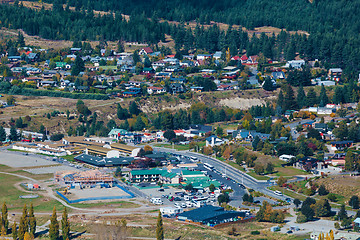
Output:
x=18 y=160
x=95 y=192
x=45 y=170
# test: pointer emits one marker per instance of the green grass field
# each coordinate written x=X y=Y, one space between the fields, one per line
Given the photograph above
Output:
x=10 y=194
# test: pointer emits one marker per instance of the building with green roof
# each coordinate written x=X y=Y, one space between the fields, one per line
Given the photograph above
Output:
x=170 y=178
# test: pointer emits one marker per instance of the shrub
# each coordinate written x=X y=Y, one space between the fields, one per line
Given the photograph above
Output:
x=301 y=218
x=255 y=232
x=332 y=197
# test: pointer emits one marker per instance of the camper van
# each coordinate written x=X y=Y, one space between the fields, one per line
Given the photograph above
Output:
x=156 y=201
x=286 y=158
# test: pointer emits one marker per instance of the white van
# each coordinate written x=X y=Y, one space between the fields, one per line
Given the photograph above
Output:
x=278 y=193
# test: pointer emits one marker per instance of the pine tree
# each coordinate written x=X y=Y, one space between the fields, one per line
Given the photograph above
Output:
x=342 y=214
x=323 y=98
x=311 y=98
x=32 y=221
x=4 y=216
x=289 y=98
x=54 y=226
x=280 y=101
x=134 y=109
x=2 y=134
x=159 y=228
x=78 y=67
x=301 y=97
x=22 y=228
x=14 y=232
x=25 y=216
x=13 y=134
x=65 y=225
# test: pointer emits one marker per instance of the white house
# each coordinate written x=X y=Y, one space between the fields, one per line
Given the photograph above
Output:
x=155 y=90
x=297 y=64
x=214 y=141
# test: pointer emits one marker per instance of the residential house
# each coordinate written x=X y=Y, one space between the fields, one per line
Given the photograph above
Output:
x=156 y=90
x=296 y=64
x=224 y=87
x=199 y=130
x=196 y=89
x=341 y=145
x=135 y=83
x=321 y=127
x=186 y=63
x=177 y=88
x=203 y=56
x=172 y=69
x=132 y=92
x=145 y=51
x=278 y=75
x=215 y=141
x=217 y=55
x=46 y=83
x=231 y=75
x=249 y=135
x=307 y=124
x=157 y=64
x=162 y=75
x=14 y=58
x=33 y=57
x=172 y=61
x=208 y=71
x=335 y=74
x=309 y=164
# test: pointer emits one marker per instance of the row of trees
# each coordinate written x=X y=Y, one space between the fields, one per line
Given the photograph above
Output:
x=340 y=94
x=7 y=88
x=267 y=214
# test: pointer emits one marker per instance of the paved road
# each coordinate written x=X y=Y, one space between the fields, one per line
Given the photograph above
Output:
x=231 y=172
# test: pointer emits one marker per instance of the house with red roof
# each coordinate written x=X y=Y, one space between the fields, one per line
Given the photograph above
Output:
x=156 y=90
x=145 y=51
x=224 y=87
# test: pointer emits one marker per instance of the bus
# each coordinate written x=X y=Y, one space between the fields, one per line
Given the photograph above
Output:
x=208 y=166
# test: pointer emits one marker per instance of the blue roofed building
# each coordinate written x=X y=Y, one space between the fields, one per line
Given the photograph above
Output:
x=249 y=135
x=211 y=216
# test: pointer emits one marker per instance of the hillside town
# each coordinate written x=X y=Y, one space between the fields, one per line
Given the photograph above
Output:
x=179 y=120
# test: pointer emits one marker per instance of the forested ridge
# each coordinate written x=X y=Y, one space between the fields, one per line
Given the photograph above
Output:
x=333 y=26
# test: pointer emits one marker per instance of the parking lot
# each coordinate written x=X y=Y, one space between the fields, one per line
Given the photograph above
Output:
x=19 y=160
x=181 y=199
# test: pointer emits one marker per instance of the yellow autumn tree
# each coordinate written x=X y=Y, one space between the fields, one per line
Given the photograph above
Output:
x=332 y=237
x=27 y=236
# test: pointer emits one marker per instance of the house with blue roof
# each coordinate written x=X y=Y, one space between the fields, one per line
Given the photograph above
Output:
x=249 y=135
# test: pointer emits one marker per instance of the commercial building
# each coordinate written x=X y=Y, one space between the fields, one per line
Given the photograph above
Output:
x=140 y=176
x=104 y=162
x=211 y=216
